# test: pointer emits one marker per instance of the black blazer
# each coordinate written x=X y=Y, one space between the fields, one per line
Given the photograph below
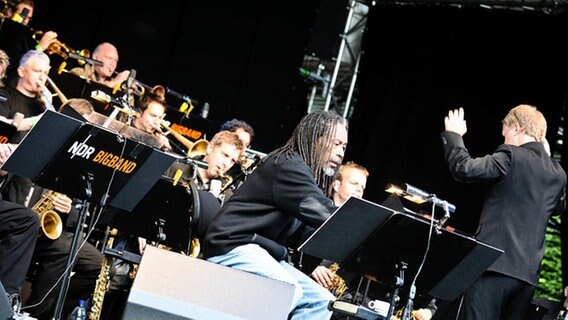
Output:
x=527 y=187
x=271 y=203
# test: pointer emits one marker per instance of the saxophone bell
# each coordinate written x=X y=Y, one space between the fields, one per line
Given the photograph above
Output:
x=50 y=221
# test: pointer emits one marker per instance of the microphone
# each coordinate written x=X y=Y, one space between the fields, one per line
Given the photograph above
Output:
x=20 y=17
x=419 y=193
x=131 y=77
x=205 y=110
x=3 y=98
x=181 y=96
x=87 y=60
x=416 y=191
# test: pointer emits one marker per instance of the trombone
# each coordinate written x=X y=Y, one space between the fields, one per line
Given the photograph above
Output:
x=197 y=148
x=59 y=93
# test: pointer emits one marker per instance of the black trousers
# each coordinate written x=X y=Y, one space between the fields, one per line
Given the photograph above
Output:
x=51 y=256
x=498 y=297
x=19 y=227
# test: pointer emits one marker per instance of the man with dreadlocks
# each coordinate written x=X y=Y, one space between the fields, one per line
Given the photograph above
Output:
x=287 y=188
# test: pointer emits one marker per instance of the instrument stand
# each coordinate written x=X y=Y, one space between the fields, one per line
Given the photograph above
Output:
x=160 y=235
x=399 y=282
x=83 y=212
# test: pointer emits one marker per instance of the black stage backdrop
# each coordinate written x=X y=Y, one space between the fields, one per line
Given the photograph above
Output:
x=241 y=57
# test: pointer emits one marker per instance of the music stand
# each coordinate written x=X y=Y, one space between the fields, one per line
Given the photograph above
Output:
x=81 y=160
x=371 y=239
x=73 y=150
x=7 y=131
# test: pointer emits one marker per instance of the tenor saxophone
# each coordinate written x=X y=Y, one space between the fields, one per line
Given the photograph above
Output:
x=50 y=221
x=103 y=281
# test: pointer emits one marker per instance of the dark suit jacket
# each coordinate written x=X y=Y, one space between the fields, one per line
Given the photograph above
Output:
x=527 y=187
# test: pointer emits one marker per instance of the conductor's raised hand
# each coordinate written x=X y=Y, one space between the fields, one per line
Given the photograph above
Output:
x=455 y=122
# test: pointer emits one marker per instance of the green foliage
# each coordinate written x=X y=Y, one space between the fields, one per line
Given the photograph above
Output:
x=550 y=282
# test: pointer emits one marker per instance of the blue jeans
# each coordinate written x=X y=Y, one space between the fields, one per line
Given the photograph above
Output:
x=310 y=299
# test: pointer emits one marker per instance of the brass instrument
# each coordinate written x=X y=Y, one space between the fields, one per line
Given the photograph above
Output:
x=60 y=94
x=338 y=286
x=103 y=281
x=195 y=248
x=62 y=69
x=250 y=159
x=197 y=148
x=50 y=221
x=61 y=49
x=226 y=181
x=398 y=315
x=138 y=88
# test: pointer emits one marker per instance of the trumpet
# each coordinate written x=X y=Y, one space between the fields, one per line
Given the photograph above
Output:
x=61 y=49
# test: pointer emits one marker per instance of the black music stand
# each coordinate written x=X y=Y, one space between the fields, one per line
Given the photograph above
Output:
x=170 y=215
x=65 y=150
x=7 y=131
x=371 y=239
x=87 y=162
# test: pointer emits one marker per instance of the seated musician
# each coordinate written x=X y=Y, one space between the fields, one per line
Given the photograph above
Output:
x=18 y=229
x=222 y=152
x=246 y=163
x=350 y=181
x=105 y=74
x=50 y=254
x=26 y=97
x=252 y=226
x=241 y=128
x=152 y=109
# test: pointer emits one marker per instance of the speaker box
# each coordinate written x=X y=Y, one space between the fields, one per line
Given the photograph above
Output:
x=169 y=285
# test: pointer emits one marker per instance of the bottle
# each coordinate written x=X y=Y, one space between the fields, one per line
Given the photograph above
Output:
x=79 y=313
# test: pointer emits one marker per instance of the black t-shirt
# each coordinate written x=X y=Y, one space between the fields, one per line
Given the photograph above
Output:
x=18 y=102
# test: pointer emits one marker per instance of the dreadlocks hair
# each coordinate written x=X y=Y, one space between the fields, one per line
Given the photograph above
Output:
x=310 y=139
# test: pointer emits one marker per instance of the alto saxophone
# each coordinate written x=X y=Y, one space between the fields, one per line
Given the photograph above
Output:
x=50 y=221
x=338 y=286
x=103 y=281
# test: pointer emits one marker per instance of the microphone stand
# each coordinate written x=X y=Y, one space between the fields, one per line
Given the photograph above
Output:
x=83 y=210
x=445 y=206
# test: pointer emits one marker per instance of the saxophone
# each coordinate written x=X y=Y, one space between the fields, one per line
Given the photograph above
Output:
x=103 y=281
x=338 y=286
x=398 y=315
x=50 y=221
